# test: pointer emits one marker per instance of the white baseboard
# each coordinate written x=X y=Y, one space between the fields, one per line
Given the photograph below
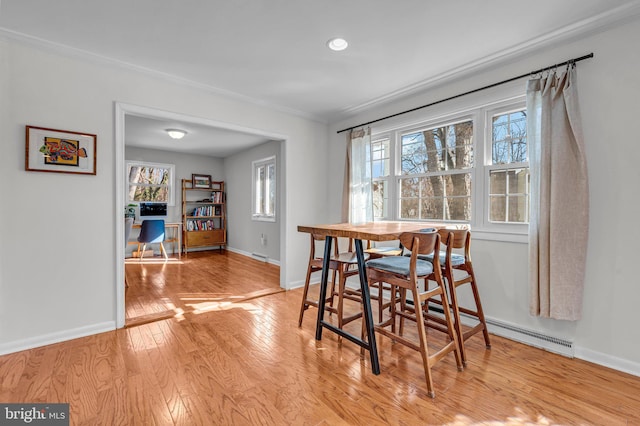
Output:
x=610 y=361
x=261 y=258
x=57 y=337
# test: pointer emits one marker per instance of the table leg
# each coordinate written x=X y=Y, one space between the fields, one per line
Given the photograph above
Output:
x=366 y=302
x=323 y=286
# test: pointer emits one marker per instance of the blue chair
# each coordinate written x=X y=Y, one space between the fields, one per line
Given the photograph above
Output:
x=151 y=231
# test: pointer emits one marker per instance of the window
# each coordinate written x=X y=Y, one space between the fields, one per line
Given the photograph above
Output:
x=435 y=182
x=264 y=189
x=380 y=175
x=150 y=182
x=451 y=170
x=509 y=168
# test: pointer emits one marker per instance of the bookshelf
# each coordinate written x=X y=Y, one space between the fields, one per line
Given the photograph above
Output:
x=203 y=216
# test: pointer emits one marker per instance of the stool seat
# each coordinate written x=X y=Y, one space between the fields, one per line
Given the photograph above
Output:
x=403 y=273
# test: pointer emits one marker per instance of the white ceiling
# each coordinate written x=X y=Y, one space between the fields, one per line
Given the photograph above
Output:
x=274 y=53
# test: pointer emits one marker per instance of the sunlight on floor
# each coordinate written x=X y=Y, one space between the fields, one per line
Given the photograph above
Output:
x=204 y=307
x=153 y=261
x=519 y=419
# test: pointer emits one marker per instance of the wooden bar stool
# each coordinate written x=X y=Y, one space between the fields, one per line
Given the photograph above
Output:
x=344 y=265
x=458 y=270
x=407 y=273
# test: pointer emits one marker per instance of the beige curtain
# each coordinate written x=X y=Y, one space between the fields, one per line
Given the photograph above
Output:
x=559 y=220
x=357 y=197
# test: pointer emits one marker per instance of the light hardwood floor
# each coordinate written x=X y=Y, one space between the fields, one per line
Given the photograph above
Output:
x=241 y=361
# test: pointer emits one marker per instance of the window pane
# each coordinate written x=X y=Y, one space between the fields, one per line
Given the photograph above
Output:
x=497 y=208
x=509 y=138
x=380 y=200
x=409 y=208
x=148 y=175
x=260 y=190
x=154 y=193
x=498 y=182
x=271 y=189
x=444 y=197
x=518 y=209
x=409 y=187
x=439 y=149
x=510 y=195
x=519 y=181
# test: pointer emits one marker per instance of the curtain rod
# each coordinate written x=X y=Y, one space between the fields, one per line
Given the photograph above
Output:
x=581 y=58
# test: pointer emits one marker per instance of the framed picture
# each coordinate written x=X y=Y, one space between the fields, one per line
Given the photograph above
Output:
x=201 y=181
x=60 y=151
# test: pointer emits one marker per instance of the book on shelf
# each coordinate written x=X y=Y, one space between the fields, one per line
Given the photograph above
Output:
x=216 y=197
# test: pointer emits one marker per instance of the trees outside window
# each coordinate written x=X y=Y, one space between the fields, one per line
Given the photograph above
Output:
x=150 y=182
x=471 y=167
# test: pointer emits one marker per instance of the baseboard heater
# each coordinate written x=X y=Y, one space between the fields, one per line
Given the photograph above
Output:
x=260 y=256
x=519 y=334
x=513 y=332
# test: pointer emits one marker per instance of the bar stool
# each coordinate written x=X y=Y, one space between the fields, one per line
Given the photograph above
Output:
x=450 y=261
x=344 y=265
x=407 y=273
x=381 y=287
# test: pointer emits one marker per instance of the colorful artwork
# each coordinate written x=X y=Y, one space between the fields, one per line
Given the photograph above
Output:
x=60 y=151
x=65 y=152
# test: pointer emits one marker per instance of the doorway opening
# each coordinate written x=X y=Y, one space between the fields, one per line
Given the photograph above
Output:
x=125 y=111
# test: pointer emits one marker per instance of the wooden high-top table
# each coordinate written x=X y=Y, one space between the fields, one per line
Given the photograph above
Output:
x=372 y=231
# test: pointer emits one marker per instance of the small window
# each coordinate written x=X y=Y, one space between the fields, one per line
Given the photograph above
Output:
x=509 y=172
x=381 y=172
x=150 y=183
x=264 y=189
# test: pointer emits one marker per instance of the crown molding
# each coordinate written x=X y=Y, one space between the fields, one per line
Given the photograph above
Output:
x=592 y=25
x=88 y=56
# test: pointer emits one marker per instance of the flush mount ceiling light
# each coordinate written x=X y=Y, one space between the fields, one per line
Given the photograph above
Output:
x=337 y=44
x=176 y=133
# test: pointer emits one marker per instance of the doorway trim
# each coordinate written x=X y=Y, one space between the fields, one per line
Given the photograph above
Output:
x=124 y=109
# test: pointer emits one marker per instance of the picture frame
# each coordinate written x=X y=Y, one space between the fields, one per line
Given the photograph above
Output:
x=59 y=151
x=201 y=181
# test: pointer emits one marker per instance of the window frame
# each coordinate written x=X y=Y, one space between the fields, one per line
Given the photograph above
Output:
x=488 y=166
x=389 y=178
x=171 y=188
x=480 y=114
x=449 y=120
x=259 y=215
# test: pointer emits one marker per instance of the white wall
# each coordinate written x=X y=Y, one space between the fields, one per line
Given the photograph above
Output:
x=609 y=89
x=245 y=233
x=57 y=231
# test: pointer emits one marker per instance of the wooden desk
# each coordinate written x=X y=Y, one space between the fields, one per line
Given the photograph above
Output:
x=373 y=231
x=176 y=235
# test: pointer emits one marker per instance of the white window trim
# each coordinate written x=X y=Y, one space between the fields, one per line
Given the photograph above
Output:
x=486 y=167
x=254 y=166
x=480 y=113
x=388 y=179
x=172 y=179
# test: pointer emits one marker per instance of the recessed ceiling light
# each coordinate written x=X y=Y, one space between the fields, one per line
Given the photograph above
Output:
x=176 y=133
x=337 y=44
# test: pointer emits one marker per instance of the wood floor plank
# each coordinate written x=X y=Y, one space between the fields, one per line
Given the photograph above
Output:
x=233 y=354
